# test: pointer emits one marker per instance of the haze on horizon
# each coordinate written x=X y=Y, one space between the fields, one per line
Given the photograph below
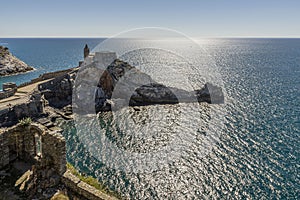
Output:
x=214 y=18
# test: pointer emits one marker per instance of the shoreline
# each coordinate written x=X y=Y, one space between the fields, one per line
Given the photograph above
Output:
x=19 y=73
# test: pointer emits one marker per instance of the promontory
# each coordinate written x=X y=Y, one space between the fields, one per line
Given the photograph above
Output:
x=10 y=65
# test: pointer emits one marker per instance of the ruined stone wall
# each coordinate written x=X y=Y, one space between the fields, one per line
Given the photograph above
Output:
x=54 y=147
x=48 y=168
x=21 y=141
x=18 y=141
x=4 y=150
x=31 y=106
x=58 y=92
x=9 y=85
x=7 y=93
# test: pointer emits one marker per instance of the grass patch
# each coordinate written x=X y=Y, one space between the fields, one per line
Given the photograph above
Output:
x=92 y=181
x=25 y=121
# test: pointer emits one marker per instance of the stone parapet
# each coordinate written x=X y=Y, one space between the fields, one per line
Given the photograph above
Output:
x=84 y=189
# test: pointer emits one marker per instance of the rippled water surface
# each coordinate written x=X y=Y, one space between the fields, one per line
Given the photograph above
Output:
x=253 y=139
x=255 y=153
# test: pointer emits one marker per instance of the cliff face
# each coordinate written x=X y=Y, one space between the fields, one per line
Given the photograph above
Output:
x=10 y=65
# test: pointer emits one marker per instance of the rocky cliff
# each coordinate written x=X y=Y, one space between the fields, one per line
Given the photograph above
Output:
x=10 y=65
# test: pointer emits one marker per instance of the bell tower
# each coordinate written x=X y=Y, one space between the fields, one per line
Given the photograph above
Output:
x=86 y=51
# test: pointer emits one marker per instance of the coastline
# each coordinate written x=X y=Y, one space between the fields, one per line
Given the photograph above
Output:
x=10 y=64
x=14 y=74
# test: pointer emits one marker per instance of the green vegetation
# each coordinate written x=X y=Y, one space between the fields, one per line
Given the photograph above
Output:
x=92 y=181
x=25 y=121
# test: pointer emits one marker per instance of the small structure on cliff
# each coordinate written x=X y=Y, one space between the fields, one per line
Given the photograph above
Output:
x=86 y=51
x=9 y=89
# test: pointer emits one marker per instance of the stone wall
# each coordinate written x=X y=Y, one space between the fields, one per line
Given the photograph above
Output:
x=58 y=91
x=31 y=106
x=46 y=76
x=7 y=93
x=9 y=85
x=48 y=162
x=102 y=58
x=17 y=142
x=9 y=89
x=54 y=148
x=43 y=149
x=84 y=189
x=4 y=150
x=33 y=143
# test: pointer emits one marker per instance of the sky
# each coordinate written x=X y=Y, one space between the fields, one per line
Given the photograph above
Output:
x=195 y=18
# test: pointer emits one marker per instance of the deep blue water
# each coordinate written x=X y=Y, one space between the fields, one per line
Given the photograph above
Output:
x=45 y=55
x=258 y=152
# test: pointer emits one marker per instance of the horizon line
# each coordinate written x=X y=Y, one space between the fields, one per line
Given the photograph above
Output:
x=197 y=37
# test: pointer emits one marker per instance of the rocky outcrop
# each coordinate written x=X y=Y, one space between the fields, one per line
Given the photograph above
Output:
x=160 y=94
x=10 y=65
x=122 y=84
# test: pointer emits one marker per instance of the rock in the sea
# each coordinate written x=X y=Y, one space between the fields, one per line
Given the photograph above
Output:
x=10 y=65
x=122 y=84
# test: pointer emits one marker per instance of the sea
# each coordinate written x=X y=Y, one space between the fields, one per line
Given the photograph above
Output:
x=246 y=148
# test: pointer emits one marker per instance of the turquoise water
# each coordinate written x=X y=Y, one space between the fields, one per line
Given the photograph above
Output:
x=257 y=155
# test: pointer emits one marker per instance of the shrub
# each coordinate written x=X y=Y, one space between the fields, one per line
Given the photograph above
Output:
x=25 y=121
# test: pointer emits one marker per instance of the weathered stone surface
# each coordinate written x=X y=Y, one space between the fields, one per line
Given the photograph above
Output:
x=83 y=188
x=112 y=74
x=10 y=65
x=58 y=92
x=9 y=89
x=48 y=164
x=125 y=85
x=160 y=94
x=210 y=94
x=31 y=106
